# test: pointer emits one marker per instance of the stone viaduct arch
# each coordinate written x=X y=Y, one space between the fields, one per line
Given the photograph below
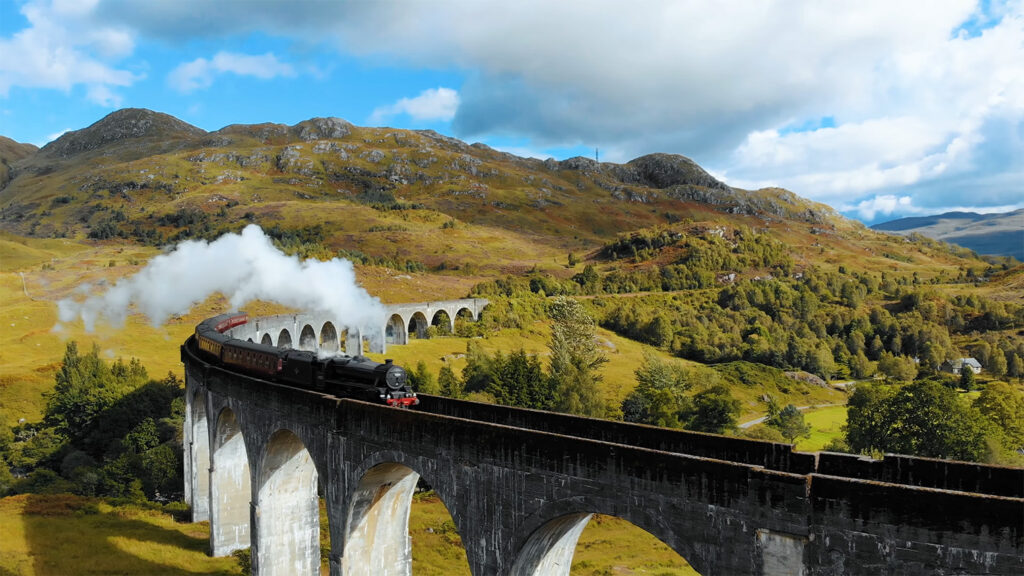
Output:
x=523 y=484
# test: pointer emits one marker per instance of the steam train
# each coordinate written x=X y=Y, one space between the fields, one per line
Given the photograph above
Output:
x=345 y=376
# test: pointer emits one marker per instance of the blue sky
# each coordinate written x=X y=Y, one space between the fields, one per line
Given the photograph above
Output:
x=881 y=109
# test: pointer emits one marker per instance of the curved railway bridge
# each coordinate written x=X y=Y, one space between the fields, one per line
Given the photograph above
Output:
x=521 y=485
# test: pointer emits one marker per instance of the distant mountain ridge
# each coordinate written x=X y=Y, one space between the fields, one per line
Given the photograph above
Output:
x=999 y=234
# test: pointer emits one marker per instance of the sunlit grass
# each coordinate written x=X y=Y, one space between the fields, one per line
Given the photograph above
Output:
x=826 y=425
x=436 y=544
x=54 y=535
x=610 y=545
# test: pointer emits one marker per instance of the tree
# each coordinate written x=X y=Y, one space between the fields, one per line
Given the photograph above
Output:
x=659 y=331
x=519 y=381
x=659 y=397
x=997 y=363
x=860 y=366
x=422 y=380
x=575 y=359
x=589 y=280
x=821 y=362
x=899 y=368
x=1014 y=366
x=448 y=383
x=921 y=419
x=478 y=373
x=790 y=423
x=714 y=410
x=1004 y=407
x=967 y=380
x=85 y=386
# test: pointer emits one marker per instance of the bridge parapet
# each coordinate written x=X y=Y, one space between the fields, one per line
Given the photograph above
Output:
x=926 y=472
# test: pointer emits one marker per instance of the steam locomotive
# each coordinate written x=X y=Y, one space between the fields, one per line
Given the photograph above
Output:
x=347 y=376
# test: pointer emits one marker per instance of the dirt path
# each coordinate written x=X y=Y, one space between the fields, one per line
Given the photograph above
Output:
x=24 y=286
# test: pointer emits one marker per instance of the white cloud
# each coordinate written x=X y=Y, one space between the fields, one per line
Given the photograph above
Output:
x=884 y=205
x=200 y=73
x=56 y=51
x=432 y=104
x=52 y=137
x=947 y=120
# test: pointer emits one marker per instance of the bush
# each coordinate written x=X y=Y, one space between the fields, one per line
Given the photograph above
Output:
x=244 y=558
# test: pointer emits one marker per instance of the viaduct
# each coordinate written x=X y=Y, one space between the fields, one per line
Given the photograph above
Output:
x=521 y=485
x=307 y=332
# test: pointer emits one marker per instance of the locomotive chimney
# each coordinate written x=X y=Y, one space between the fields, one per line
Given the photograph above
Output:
x=388 y=361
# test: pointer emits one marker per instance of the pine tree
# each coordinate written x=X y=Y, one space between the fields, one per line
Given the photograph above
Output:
x=575 y=359
x=449 y=384
x=790 y=423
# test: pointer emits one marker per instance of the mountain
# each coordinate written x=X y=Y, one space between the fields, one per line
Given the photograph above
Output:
x=994 y=234
x=130 y=125
x=407 y=196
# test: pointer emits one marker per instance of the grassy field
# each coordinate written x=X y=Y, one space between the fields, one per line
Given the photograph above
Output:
x=826 y=425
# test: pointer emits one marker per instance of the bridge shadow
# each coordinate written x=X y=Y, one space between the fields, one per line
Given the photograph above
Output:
x=67 y=534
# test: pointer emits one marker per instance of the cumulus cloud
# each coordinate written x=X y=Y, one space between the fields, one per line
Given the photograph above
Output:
x=433 y=104
x=200 y=73
x=64 y=47
x=244 y=267
x=884 y=205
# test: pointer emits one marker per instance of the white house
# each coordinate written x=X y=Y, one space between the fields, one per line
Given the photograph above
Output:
x=956 y=366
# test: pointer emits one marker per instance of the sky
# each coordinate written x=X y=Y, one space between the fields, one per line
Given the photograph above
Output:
x=880 y=109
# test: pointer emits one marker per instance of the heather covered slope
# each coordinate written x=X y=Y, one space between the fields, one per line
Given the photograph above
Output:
x=386 y=193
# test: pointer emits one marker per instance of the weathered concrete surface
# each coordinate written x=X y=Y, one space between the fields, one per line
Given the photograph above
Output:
x=377 y=531
x=289 y=503
x=520 y=483
x=229 y=487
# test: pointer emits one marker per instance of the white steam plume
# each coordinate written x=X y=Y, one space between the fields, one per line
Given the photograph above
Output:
x=244 y=267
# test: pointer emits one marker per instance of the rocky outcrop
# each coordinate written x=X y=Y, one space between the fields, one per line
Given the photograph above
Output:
x=665 y=171
x=322 y=128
